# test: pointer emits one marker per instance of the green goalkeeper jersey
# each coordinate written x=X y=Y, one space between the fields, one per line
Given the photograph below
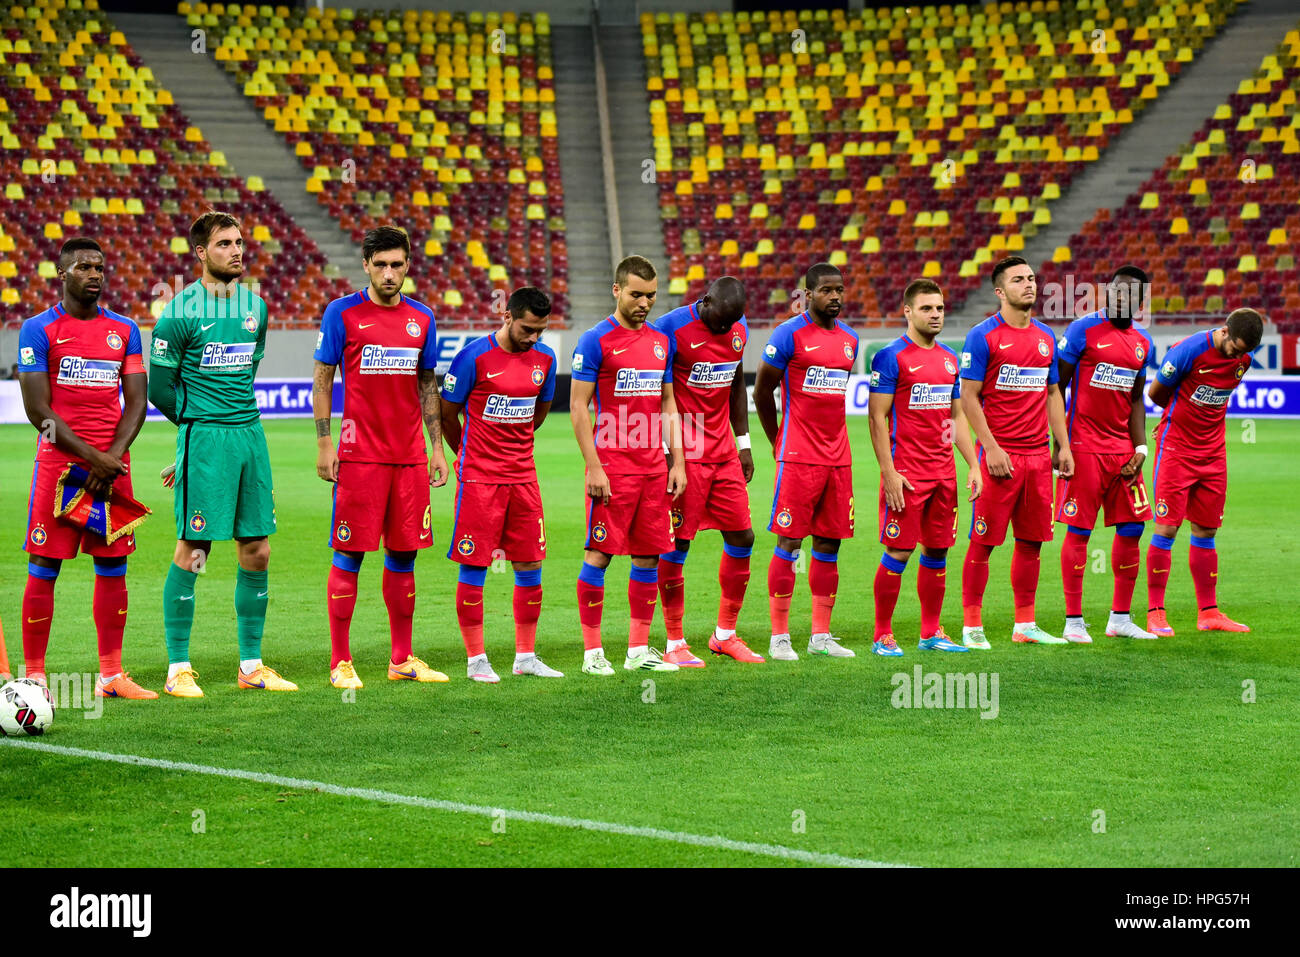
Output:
x=216 y=343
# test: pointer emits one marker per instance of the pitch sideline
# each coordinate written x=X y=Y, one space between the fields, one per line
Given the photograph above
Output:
x=456 y=807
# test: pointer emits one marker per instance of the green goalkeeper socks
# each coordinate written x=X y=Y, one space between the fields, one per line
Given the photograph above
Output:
x=178 y=612
x=250 y=610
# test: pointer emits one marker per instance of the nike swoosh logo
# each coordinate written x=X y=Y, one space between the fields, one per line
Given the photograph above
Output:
x=593 y=604
x=59 y=342
x=1214 y=574
x=1079 y=568
x=1204 y=371
x=783 y=596
x=424 y=536
x=534 y=603
x=810 y=348
x=33 y=621
x=1134 y=565
x=1104 y=345
x=207 y=327
x=1159 y=571
x=914 y=368
x=696 y=345
x=619 y=352
x=1005 y=345
x=262 y=594
x=185 y=597
x=121 y=611
x=365 y=325
x=493 y=375
x=410 y=594
x=349 y=595
x=467 y=604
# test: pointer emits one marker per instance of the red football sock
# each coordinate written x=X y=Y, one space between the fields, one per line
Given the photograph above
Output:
x=823 y=580
x=672 y=591
x=930 y=586
x=1124 y=561
x=528 y=608
x=974 y=579
x=1159 y=562
x=38 y=609
x=4 y=653
x=1024 y=578
x=641 y=598
x=780 y=589
x=399 y=596
x=885 y=589
x=733 y=578
x=341 y=598
x=1074 y=561
x=469 y=614
x=591 y=602
x=1204 y=563
x=109 y=609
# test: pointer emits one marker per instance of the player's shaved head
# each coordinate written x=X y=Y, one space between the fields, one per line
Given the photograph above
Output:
x=1245 y=329
x=68 y=251
x=81 y=270
x=1002 y=266
x=818 y=274
x=724 y=303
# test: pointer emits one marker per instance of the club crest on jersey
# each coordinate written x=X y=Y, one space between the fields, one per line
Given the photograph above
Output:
x=114 y=341
x=413 y=329
x=598 y=532
x=1161 y=509
x=38 y=535
x=951 y=369
x=250 y=322
x=737 y=342
x=1141 y=353
x=848 y=352
x=1043 y=348
x=659 y=352
x=677 y=517
x=538 y=376
x=892 y=530
x=981 y=526
x=197 y=522
x=343 y=533
x=1241 y=371
x=1070 y=509
x=784 y=519
x=465 y=546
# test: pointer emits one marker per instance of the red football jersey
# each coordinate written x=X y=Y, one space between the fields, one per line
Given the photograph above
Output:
x=815 y=365
x=629 y=369
x=500 y=391
x=924 y=384
x=1107 y=363
x=381 y=350
x=704 y=366
x=1016 y=367
x=1203 y=380
x=85 y=360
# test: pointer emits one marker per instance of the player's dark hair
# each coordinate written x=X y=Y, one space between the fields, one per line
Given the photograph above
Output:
x=529 y=299
x=1005 y=264
x=207 y=224
x=1246 y=325
x=920 y=287
x=76 y=245
x=1132 y=271
x=383 y=238
x=637 y=266
x=816 y=273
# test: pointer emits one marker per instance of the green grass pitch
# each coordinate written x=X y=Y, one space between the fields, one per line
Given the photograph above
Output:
x=1150 y=739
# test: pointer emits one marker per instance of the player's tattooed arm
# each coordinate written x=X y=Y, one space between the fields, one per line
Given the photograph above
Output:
x=322 y=399
x=769 y=377
x=430 y=405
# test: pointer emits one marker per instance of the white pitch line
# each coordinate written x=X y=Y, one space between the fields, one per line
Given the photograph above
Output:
x=456 y=807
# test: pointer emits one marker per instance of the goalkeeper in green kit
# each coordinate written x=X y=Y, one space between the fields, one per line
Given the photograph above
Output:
x=202 y=362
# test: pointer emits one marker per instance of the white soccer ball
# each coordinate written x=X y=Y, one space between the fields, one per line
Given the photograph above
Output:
x=26 y=707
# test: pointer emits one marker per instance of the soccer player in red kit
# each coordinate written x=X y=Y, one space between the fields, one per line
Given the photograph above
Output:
x=626 y=367
x=1103 y=356
x=76 y=362
x=1010 y=397
x=809 y=357
x=504 y=384
x=1194 y=385
x=709 y=339
x=385 y=342
x=916 y=416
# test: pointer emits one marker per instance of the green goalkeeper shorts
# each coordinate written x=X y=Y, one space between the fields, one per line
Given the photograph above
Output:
x=223 y=482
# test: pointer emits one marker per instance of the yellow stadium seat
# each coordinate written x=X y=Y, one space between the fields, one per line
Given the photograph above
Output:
x=47 y=270
x=1214 y=277
x=1247 y=264
x=432 y=247
x=1277 y=237
x=1196 y=187
x=1042 y=216
x=53 y=231
x=71 y=217
x=931 y=269
x=1150 y=201
x=729 y=247
x=806 y=221
x=302 y=149
x=897 y=207
x=870 y=245
x=452 y=297
x=192 y=135
x=677 y=286
x=1178 y=227
x=1250 y=211
x=1061 y=254
x=180 y=245
x=261 y=234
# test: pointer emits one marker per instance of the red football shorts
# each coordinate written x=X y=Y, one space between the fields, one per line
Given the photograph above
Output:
x=928 y=516
x=1023 y=501
x=1189 y=489
x=1098 y=486
x=812 y=500
x=498 y=521
x=715 y=497
x=637 y=520
x=52 y=537
x=372 y=499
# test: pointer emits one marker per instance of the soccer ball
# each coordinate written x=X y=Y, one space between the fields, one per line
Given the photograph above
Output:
x=26 y=707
